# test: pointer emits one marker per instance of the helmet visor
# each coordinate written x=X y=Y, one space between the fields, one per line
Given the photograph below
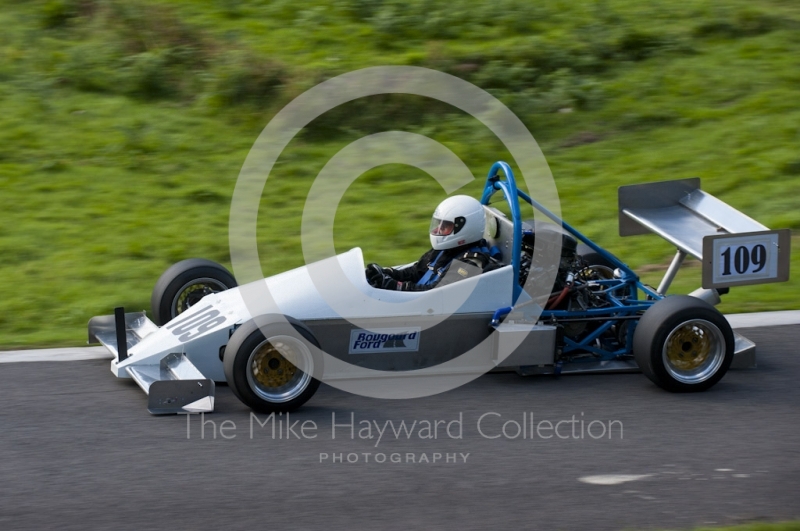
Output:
x=442 y=227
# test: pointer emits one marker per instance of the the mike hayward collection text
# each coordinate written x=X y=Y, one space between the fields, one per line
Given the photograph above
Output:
x=489 y=425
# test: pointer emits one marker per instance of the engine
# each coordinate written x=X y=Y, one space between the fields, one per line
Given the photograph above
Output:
x=575 y=287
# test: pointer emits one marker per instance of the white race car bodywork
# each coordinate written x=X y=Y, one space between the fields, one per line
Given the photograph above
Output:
x=333 y=289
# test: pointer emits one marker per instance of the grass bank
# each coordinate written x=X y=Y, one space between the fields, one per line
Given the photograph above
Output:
x=124 y=126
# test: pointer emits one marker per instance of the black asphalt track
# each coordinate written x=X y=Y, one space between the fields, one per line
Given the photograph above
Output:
x=78 y=450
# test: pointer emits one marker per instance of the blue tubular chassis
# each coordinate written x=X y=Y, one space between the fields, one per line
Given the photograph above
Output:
x=621 y=293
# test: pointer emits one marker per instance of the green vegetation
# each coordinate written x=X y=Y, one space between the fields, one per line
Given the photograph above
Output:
x=783 y=526
x=124 y=126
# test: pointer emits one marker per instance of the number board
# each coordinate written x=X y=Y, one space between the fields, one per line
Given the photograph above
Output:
x=746 y=258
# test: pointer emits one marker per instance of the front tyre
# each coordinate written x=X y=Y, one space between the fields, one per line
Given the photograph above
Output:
x=270 y=368
x=184 y=284
x=683 y=344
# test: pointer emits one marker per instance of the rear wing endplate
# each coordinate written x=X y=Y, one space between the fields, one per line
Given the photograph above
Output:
x=734 y=248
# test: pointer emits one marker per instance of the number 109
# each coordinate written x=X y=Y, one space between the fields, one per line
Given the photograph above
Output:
x=744 y=259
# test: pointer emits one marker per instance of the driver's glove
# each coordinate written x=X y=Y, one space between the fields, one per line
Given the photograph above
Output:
x=375 y=275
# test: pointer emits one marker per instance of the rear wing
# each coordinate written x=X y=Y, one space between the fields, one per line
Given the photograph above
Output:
x=735 y=250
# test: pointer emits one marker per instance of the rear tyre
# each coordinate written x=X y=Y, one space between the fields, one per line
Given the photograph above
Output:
x=184 y=284
x=597 y=263
x=270 y=369
x=683 y=344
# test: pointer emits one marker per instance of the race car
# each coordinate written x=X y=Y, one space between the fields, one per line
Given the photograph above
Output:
x=274 y=340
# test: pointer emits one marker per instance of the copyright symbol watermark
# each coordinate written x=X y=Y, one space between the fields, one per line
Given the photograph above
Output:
x=332 y=288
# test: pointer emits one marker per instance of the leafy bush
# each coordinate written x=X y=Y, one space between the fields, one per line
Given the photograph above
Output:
x=638 y=45
x=56 y=13
x=244 y=78
x=746 y=23
x=92 y=66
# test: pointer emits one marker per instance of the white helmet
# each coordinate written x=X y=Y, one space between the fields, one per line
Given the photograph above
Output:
x=457 y=221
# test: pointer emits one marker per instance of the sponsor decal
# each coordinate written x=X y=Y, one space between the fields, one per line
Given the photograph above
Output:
x=384 y=340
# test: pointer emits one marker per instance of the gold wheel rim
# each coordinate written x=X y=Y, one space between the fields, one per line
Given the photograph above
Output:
x=279 y=369
x=191 y=293
x=694 y=351
x=271 y=368
x=688 y=347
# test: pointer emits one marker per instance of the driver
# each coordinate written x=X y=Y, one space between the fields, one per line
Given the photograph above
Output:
x=456 y=233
